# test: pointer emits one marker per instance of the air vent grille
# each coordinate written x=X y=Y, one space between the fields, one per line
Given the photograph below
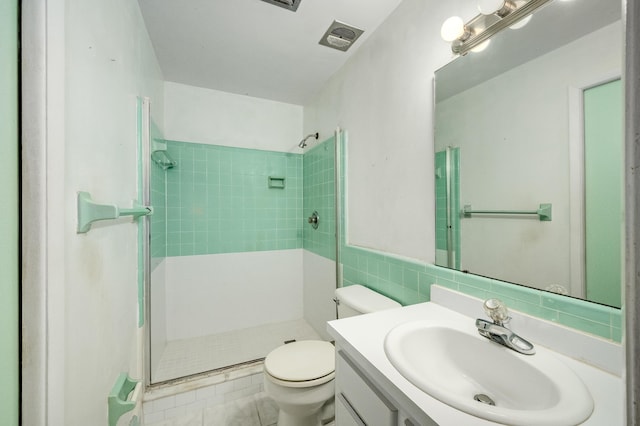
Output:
x=287 y=4
x=340 y=36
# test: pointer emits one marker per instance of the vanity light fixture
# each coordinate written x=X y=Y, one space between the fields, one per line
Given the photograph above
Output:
x=499 y=7
x=481 y=46
x=523 y=21
x=453 y=28
x=494 y=16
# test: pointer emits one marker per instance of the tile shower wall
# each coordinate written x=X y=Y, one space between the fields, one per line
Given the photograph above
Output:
x=441 y=202
x=409 y=282
x=158 y=185
x=219 y=200
x=319 y=195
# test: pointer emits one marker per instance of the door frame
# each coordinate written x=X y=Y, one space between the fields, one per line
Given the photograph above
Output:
x=577 y=180
x=43 y=215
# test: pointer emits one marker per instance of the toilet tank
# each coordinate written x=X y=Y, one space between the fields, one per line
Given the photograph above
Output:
x=356 y=300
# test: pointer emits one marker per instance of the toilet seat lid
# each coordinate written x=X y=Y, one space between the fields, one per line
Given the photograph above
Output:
x=301 y=361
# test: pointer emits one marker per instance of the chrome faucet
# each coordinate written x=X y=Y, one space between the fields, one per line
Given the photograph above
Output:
x=497 y=332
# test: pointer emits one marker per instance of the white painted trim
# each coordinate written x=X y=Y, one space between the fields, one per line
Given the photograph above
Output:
x=34 y=310
x=43 y=228
x=576 y=180
x=631 y=19
x=576 y=192
x=144 y=366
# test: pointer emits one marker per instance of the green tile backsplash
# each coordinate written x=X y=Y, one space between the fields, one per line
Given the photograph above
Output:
x=219 y=200
x=409 y=282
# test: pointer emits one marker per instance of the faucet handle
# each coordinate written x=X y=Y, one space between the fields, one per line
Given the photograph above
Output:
x=496 y=310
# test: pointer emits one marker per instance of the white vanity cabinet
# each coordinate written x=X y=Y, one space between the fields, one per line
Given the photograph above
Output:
x=371 y=391
x=359 y=401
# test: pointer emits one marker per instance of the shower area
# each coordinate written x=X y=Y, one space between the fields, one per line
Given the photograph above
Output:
x=447 y=192
x=227 y=240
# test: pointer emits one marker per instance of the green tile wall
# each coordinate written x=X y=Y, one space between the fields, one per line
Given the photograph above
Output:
x=409 y=281
x=158 y=178
x=319 y=195
x=441 y=202
x=218 y=200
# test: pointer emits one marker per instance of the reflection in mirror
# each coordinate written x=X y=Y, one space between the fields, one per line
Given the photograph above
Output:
x=536 y=119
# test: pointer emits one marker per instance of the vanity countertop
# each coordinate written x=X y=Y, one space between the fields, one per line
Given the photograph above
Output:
x=362 y=337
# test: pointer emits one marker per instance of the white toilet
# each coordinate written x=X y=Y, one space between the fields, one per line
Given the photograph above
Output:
x=299 y=376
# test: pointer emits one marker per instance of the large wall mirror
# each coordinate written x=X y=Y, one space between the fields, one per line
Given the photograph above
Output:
x=529 y=163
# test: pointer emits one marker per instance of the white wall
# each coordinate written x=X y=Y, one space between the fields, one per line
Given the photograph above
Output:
x=211 y=294
x=109 y=61
x=383 y=98
x=318 y=292
x=523 y=162
x=194 y=114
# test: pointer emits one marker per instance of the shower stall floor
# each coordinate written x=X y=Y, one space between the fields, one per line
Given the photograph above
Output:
x=186 y=357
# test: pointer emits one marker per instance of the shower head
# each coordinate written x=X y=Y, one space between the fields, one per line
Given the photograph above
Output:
x=303 y=142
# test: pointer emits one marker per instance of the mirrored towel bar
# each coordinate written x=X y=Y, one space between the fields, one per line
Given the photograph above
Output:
x=543 y=212
x=90 y=211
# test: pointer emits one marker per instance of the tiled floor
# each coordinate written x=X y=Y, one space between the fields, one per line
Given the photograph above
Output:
x=255 y=410
x=192 y=356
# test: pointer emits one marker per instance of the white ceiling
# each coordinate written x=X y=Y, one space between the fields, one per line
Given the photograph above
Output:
x=254 y=48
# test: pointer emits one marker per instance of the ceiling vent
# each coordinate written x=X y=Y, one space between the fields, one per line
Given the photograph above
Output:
x=291 y=5
x=340 y=36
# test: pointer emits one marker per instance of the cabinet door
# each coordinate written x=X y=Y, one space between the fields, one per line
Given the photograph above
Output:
x=361 y=394
x=345 y=414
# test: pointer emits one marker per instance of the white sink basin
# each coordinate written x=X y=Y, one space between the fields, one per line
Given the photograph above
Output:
x=453 y=363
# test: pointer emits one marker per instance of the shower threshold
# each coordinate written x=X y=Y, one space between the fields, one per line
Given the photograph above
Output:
x=208 y=354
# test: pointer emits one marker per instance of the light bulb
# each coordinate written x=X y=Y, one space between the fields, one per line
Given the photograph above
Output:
x=452 y=28
x=481 y=46
x=489 y=7
x=522 y=22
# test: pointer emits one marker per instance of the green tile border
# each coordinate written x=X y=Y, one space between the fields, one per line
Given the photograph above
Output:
x=408 y=281
x=218 y=200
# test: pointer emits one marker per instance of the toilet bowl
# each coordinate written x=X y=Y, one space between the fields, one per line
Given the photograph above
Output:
x=299 y=376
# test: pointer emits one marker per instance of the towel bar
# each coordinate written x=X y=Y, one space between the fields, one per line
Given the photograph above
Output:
x=543 y=212
x=90 y=211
